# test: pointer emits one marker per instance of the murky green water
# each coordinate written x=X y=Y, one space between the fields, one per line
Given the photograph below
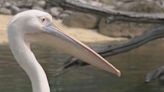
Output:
x=133 y=65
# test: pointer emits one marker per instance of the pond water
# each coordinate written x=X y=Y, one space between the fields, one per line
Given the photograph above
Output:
x=134 y=65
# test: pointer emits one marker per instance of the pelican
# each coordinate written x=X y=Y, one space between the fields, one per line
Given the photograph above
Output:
x=34 y=25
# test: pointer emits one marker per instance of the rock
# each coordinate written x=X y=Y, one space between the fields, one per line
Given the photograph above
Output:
x=38 y=8
x=18 y=3
x=56 y=11
x=23 y=9
x=23 y=3
x=7 y=4
x=81 y=20
x=68 y=12
x=161 y=3
x=122 y=29
x=63 y=15
x=40 y=3
x=14 y=9
x=140 y=6
x=5 y=11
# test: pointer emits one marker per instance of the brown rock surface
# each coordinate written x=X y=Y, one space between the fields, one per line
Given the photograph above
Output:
x=122 y=29
x=81 y=20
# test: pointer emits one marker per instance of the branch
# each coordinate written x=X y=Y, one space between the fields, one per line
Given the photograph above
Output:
x=105 y=11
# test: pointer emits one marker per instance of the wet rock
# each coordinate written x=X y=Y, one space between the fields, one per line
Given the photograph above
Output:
x=56 y=11
x=5 y=11
x=81 y=20
x=121 y=29
x=157 y=73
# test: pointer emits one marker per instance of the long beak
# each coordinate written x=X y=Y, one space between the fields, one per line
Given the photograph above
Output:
x=74 y=47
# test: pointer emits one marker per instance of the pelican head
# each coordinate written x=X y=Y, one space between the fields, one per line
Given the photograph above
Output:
x=32 y=21
x=34 y=25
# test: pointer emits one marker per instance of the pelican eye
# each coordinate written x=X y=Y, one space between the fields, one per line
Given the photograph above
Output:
x=43 y=19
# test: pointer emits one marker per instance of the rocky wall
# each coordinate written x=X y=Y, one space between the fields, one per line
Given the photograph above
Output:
x=90 y=21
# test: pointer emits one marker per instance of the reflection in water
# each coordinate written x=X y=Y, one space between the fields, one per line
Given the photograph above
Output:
x=134 y=65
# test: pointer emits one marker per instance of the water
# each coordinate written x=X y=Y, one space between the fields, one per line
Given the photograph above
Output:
x=133 y=65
